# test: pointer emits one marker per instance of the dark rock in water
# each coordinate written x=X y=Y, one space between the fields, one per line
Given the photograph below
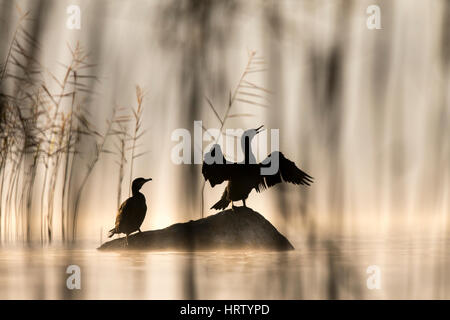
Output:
x=243 y=229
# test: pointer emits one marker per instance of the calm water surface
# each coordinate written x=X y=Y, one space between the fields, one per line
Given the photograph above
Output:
x=409 y=268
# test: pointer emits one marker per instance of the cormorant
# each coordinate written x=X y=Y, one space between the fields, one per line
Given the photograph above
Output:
x=131 y=212
x=245 y=176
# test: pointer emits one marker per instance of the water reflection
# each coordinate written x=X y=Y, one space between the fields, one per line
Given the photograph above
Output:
x=365 y=111
x=409 y=267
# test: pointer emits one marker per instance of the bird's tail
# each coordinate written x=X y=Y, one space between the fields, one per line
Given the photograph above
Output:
x=112 y=232
x=222 y=203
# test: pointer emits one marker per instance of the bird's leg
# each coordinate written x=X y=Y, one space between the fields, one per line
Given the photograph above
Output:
x=243 y=201
x=126 y=239
x=233 y=207
x=140 y=230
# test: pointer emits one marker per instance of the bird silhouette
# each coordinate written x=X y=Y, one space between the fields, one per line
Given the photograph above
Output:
x=131 y=212
x=247 y=175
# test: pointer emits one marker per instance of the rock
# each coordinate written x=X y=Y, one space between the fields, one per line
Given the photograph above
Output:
x=243 y=229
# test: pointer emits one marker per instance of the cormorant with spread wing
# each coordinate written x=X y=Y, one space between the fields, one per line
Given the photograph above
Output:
x=131 y=212
x=245 y=176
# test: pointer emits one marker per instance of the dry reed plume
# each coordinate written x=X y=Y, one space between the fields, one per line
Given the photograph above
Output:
x=43 y=119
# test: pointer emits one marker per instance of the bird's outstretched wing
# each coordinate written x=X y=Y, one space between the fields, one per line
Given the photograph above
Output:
x=286 y=171
x=215 y=167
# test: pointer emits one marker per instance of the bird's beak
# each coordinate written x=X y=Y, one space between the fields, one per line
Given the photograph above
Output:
x=259 y=129
x=149 y=179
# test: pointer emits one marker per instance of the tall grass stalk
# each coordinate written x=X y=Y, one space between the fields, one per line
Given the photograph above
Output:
x=137 y=132
x=121 y=152
x=43 y=123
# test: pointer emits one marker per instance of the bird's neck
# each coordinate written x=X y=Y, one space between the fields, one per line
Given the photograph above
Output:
x=249 y=157
x=135 y=192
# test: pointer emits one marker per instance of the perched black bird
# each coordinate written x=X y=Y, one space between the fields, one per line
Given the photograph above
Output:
x=245 y=176
x=131 y=212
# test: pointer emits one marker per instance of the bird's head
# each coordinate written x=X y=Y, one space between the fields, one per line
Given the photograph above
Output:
x=250 y=134
x=138 y=183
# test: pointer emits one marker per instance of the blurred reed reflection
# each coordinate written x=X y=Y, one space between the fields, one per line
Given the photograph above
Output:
x=366 y=112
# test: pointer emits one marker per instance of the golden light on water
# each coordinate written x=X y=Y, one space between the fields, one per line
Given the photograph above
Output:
x=365 y=112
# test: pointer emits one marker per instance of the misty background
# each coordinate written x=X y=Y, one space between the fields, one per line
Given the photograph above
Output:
x=365 y=112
